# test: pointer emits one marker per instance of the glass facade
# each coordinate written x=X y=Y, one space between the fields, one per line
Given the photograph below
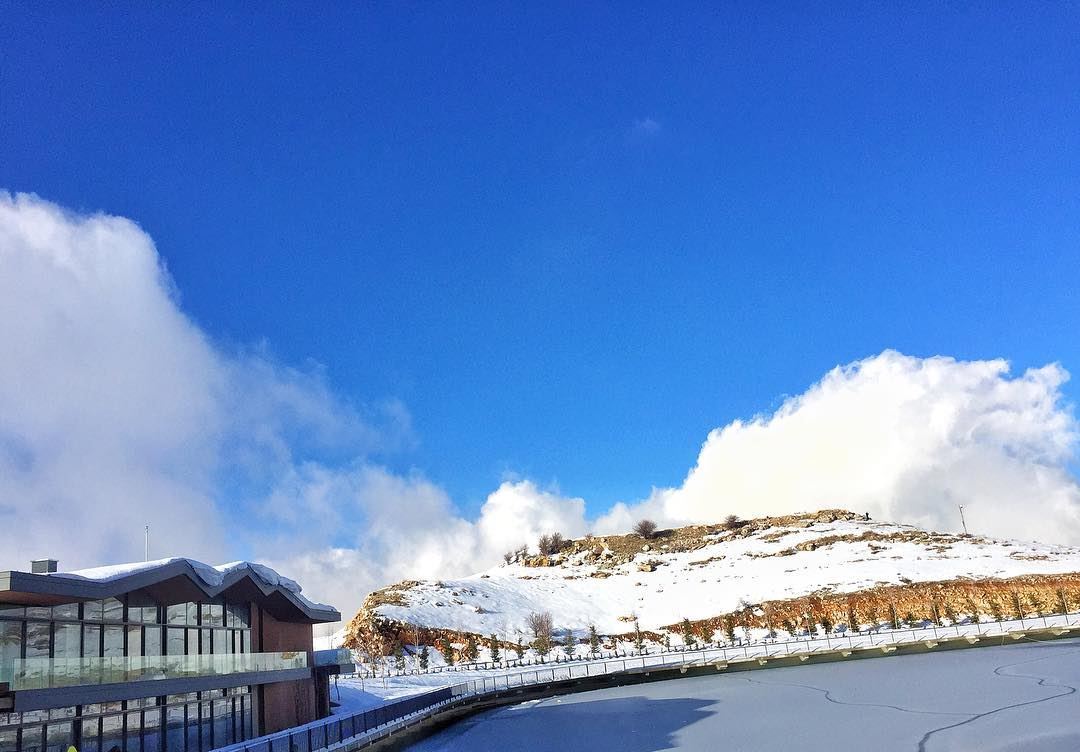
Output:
x=129 y=628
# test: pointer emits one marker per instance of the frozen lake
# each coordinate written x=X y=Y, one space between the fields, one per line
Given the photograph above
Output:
x=1012 y=698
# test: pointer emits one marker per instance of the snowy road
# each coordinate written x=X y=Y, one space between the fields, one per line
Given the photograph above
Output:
x=997 y=699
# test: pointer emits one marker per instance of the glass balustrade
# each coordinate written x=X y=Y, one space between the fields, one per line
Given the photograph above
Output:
x=335 y=657
x=47 y=673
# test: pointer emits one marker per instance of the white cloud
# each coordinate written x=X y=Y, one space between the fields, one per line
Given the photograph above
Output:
x=902 y=438
x=117 y=411
x=405 y=527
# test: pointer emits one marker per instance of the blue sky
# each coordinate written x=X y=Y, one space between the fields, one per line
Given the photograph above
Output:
x=572 y=240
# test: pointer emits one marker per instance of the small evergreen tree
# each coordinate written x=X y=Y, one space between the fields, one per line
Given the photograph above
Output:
x=519 y=648
x=542 y=645
x=687 y=629
x=826 y=624
x=910 y=618
x=470 y=652
x=568 y=643
x=639 y=639
x=447 y=651
x=893 y=618
x=729 y=628
x=872 y=616
x=1038 y=605
x=852 y=618
x=493 y=645
x=399 y=659
x=425 y=658
x=1018 y=609
x=995 y=608
x=667 y=641
x=787 y=624
x=594 y=640
x=972 y=608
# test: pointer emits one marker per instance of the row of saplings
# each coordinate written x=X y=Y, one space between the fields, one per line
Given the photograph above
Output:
x=546 y=642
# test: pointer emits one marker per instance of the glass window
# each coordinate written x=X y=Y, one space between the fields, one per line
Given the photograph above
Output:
x=193 y=728
x=222 y=723
x=112 y=733
x=176 y=613
x=90 y=735
x=152 y=641
x=132 y=732
x=192 y=613
x=222 y=641
x=31 y=739
x=112 y=610
x=68 y=611
x=176 y=641
x=10 y=641
x=205 y=727
x=213 y=615
x=37 y=639
x=8 y=739
x=38 y=612
x=91 y=641
x=193 y=641
x=242 y=614
x=141 y=608
x=174 y=741
x=134 y=641
x=152 y=730
x=66 y=640
x=249 y=724
x=93 y=611
x=12 y=612
x=204 y=641
x=59 y=737
x=114 y=642
x=245 y=641
x=61 y=713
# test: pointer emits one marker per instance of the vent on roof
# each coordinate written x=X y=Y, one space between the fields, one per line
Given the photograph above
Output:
x=43 y=566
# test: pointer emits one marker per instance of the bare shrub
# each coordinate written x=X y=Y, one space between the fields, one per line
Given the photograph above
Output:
x=732 y=522
x=551 y=544
x=645 y=528
x=541 y=624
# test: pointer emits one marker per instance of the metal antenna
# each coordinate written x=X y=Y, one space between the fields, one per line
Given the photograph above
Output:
x=146 y=543
x=962 y=522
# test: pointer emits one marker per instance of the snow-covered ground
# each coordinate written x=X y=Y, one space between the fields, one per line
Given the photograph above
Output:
x=725 y=573
x=1014 y=698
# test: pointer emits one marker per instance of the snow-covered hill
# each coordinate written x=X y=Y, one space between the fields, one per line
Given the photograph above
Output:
x=702 y=572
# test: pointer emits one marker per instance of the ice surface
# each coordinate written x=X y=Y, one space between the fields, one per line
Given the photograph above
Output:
x=996 y=699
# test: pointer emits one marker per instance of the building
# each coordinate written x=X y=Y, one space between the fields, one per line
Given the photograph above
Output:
x=167 y=656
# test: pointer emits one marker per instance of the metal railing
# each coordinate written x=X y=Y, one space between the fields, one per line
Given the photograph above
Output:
x=49 y=673
x=361 y=728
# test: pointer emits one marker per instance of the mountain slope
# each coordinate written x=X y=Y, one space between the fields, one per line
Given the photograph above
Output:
x=703 y=573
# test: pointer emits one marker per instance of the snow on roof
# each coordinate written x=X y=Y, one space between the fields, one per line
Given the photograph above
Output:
x=213 y=576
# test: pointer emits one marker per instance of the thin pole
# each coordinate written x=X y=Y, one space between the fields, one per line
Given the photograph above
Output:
x=962 y=521
x=146 y=543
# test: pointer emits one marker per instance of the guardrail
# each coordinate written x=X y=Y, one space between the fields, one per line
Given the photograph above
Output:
x=355 y=730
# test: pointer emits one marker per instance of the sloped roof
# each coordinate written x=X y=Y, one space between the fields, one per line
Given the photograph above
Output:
x=169 y=581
